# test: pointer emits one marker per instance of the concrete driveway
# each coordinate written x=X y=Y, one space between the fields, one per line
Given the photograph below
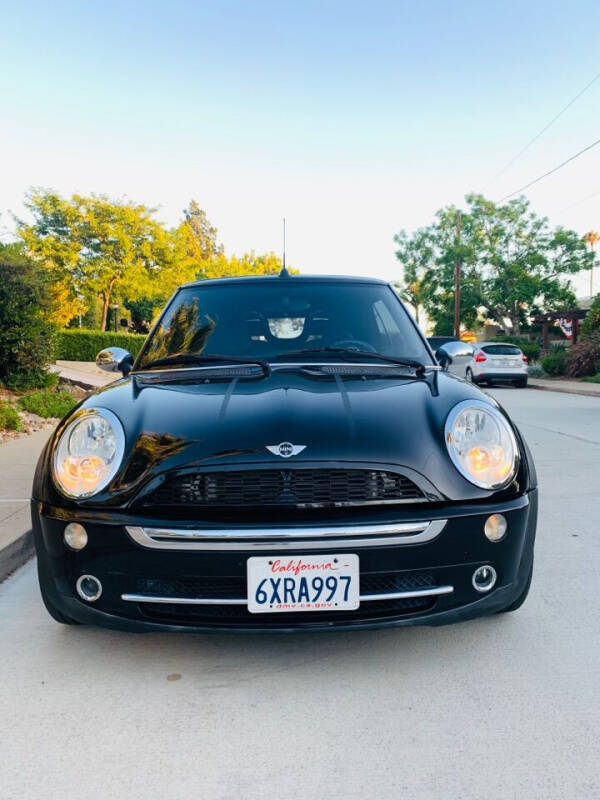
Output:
x=505 y=707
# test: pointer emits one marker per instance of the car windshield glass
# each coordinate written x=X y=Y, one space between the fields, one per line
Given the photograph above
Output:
x=265 y=319
x=501 y=350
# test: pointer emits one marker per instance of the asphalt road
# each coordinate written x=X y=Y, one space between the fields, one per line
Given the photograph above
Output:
x=504 y=707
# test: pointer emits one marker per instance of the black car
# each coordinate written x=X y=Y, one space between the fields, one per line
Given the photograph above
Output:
x=284 y=454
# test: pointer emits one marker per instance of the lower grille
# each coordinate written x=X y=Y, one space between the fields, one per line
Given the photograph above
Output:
x=236 y=615
x=227 y=588
x=285 y=487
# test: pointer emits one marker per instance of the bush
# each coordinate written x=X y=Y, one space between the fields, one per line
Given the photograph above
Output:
x=79 y=344
x=555 y=363
x=26 y=335
x=584 y=356
x=48 y=403
x=591 y=320
x=9 y=418
x=536 y=372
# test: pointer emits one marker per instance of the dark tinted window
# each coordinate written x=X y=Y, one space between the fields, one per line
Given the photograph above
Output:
x=501 y=350
x=266 y=319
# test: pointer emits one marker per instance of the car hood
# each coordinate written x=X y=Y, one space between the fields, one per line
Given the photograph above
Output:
x=391 y=422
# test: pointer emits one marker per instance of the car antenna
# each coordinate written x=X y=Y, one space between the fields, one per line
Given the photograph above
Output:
x=284 y=272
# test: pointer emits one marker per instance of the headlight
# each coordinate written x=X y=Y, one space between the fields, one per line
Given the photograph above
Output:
x=481 y=444
x=88 y=453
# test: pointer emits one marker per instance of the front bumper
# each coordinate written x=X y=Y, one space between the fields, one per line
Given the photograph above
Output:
x=125 y=566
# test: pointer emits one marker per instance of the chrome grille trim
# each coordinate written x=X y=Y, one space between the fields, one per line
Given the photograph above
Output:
x=242 y=601
x=306 y=538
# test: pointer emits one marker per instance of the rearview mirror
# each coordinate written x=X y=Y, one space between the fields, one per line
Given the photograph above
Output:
x=115 y=359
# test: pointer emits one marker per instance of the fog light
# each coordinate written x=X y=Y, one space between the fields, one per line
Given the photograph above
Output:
x=484 y=578
x=88 y=588
x=495 y=527
x=75 y=536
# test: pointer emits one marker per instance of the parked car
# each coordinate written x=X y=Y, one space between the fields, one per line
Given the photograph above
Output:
x=283 y=454
x=497 y=362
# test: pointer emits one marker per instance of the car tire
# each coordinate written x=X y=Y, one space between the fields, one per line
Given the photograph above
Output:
x=521 y=598
x=51 y=608
x=469 y=376
x=522 y=383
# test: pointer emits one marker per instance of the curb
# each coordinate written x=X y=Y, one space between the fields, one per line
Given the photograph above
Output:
x=16 y=554
x=582 y=392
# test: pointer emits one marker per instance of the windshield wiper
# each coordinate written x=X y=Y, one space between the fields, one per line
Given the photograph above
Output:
x=347 y=353
x=199 y=360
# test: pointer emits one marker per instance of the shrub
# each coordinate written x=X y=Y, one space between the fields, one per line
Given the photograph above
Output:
x=584 y=356
x=9 y=418
x=555 y=362
x=592 y=378
x=591 y=320
x=79 y=344
x=535 y=372
x=48 y=403
x=26 y=335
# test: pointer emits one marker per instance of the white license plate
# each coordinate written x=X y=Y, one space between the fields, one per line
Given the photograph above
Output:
x=303 y=583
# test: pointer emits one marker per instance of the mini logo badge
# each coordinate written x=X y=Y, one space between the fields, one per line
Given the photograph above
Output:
x=285 y=449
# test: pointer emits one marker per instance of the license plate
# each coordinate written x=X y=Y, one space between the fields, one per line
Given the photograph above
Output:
x=303 y=583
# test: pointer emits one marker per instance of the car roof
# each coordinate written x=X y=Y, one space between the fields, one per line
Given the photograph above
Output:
x=284 y=280
x=506 y=344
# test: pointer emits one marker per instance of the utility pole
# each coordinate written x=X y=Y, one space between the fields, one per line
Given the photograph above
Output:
x=457 y=276
x=591 y=238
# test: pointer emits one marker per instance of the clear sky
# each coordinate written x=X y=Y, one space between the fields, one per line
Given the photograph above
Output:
x=351 y=119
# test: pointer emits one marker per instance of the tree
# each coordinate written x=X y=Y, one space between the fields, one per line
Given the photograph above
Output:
x=203 y=234
x=416 y=254
x=26 y=342
x=513 y=265
x=92 y=245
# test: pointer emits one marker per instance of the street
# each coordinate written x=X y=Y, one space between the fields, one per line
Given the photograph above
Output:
x=500 y=707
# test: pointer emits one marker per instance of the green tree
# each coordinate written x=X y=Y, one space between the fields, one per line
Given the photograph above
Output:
x=95 y=246
x=416 y=254
x=513 y=265
x=26 y=336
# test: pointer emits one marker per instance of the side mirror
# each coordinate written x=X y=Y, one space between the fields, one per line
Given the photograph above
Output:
x=444 y=358
x=115 y=359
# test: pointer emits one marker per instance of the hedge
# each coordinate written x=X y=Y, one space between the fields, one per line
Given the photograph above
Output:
x=79 y=344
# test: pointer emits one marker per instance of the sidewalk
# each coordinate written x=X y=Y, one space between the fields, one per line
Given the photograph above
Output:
x=18 y=459
x=84 y=373
x=567 y=387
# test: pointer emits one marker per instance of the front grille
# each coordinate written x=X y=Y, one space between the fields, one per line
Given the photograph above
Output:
x=281 y=487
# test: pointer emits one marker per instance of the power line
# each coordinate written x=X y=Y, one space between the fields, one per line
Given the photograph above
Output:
x=579 y=202
x=543 y=130
x=545 y=175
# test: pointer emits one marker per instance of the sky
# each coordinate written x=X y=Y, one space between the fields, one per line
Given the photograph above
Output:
x=351 y=119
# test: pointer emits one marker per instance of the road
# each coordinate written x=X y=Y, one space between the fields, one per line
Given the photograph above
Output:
x=504 y=707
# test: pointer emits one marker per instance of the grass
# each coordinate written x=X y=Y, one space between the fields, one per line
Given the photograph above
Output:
x=9 y=418
x=592 y=378
x=48 y=403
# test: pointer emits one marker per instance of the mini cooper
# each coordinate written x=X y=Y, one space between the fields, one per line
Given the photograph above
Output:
x=285 y=453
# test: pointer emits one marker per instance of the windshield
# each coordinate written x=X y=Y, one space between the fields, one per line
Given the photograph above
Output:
x=265 y=320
